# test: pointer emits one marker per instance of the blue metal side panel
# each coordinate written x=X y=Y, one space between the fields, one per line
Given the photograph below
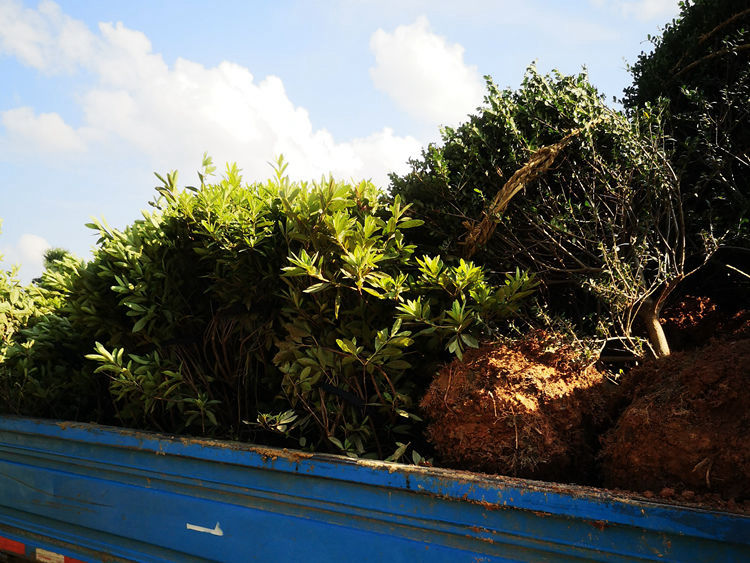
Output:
x=103 y=494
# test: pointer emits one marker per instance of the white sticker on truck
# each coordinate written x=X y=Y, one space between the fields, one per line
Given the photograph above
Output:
x=216 y=531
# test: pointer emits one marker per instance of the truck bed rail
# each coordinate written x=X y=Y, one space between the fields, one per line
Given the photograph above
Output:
x=83 y=492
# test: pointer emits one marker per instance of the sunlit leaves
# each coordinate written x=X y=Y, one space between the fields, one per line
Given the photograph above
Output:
x=284 y=311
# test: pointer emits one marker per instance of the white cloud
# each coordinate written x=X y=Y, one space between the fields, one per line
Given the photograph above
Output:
x=424 y=74
x=45 y=38
x=174 y=113
x=29 y=253
x=47 y=131
x=650 y=9
x=644 y=10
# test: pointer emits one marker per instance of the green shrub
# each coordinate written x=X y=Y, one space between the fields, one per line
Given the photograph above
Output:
x=279 y=312
x=39 y=374
x=550 y=179
x=16 y=305
x=700 y=68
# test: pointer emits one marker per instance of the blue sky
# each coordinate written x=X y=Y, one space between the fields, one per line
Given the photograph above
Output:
x=96 y=96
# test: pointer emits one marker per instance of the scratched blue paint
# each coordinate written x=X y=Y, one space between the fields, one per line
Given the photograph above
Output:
x=98 y=493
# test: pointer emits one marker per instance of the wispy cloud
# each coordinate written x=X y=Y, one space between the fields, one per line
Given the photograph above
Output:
x=28 y=252
x=644 y=10
x=45 y=38
x=424 y=74
x=47 y=132
x=173 y=113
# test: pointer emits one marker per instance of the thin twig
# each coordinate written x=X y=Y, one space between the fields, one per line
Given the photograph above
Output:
x=737 y=270
x=719 y=53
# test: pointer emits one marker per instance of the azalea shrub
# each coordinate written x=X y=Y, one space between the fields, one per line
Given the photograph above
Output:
x=282 y=312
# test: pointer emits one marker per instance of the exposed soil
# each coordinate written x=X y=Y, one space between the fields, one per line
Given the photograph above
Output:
x=687 y=429
x=527 y=408
x=693 y=321
x=676 y=429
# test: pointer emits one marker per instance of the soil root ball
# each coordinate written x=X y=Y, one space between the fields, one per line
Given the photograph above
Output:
x=693 y=321
x=525 y=408
x=688 y=427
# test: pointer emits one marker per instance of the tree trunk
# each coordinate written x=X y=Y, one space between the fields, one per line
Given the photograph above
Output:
x=656 y=335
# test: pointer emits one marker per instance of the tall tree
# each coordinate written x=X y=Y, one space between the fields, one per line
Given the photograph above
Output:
x=700 y=68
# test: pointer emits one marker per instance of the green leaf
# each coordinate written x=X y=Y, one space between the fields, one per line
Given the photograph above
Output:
x=336 y=442
x=399 y=364
x=315 y=288
x=469 y=340
x=140 y=323
x=400 y=451
x=374 y=292
x=409 y=223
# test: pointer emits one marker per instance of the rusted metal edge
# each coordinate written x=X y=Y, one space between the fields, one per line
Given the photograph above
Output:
x=92 y=471
x=492 y=492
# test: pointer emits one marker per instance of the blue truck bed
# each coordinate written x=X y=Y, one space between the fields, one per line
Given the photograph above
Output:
x=83 y=492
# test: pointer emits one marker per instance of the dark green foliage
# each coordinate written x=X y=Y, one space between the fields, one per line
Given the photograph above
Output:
x=268 y=312
x=452 y=183
x=602 y=226
x=16 y=305
x=37 y=340
x=700 y=68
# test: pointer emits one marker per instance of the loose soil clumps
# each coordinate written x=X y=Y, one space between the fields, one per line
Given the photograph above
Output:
x=687 y=430
x=676 y=428
x=527 y=408
x=693 y=321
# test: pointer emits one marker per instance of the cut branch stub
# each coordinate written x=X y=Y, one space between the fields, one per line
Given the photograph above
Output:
x=541 y=161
